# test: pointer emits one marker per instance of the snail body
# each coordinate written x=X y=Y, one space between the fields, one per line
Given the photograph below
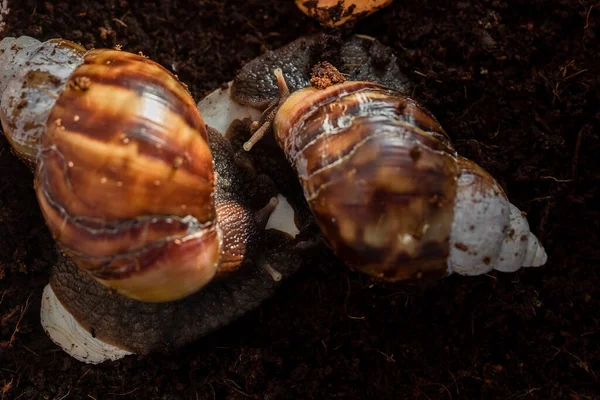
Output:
x=140 y=195
x=124 y=172
x=390 y=192
x=386 y=187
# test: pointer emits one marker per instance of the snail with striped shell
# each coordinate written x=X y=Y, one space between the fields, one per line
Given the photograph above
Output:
x=386 y=187
x=441 y=229
x=141 y=197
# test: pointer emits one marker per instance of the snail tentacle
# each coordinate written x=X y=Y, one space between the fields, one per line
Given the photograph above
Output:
x=262 y=215
x=266 y=120
x=153 y=213
x=275 y=275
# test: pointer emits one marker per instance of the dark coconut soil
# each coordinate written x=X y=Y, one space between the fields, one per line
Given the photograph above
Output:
x=516 y=86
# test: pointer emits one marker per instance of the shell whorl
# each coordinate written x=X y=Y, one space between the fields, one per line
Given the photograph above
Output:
x=389 y=191
x=32 y=74
x=488 y=232
x=379 y=174
x=125 y=178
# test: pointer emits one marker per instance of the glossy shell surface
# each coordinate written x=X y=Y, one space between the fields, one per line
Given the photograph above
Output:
x=389 y=191
x=379 y=174
x=125 y=178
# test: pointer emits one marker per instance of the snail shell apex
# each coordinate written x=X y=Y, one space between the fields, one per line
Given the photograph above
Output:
x=122 y=130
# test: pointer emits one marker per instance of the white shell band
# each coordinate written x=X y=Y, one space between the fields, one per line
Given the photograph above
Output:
x=62 y=328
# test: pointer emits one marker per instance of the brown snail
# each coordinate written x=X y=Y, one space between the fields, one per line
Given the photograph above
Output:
x=138 y=192
x=124 y=173
x=386 y=187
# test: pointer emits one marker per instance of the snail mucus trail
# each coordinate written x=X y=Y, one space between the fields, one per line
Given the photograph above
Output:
x=139 y=194
x=381 y=176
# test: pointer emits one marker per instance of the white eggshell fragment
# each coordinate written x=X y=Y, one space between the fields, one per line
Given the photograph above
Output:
x=62 y=328
x=282 y=217
x=219 y=110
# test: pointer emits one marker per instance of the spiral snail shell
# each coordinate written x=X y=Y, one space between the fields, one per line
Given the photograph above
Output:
x=117 y=129
x=386 y=187
x=379 y=173
x=141 y=196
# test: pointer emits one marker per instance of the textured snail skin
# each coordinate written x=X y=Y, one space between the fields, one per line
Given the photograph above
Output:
x=389 y=191
x=142 y=327
x=333 y=13
x=29 y=86
x=361 y=57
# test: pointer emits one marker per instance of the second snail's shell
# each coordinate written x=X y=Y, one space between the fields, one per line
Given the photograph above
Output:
x=122 y=131
x=389 y=191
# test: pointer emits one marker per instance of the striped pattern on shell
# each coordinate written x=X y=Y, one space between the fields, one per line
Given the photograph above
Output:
x=126 y=152
x=379 y=173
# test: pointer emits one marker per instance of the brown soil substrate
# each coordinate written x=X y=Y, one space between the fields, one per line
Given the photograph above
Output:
x=515 y=84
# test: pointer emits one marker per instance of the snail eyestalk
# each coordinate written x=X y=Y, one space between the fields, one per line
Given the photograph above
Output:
x=276 y=275
x=284 y=91
x=256 y=136
x=266 y=120
x=262 y=215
